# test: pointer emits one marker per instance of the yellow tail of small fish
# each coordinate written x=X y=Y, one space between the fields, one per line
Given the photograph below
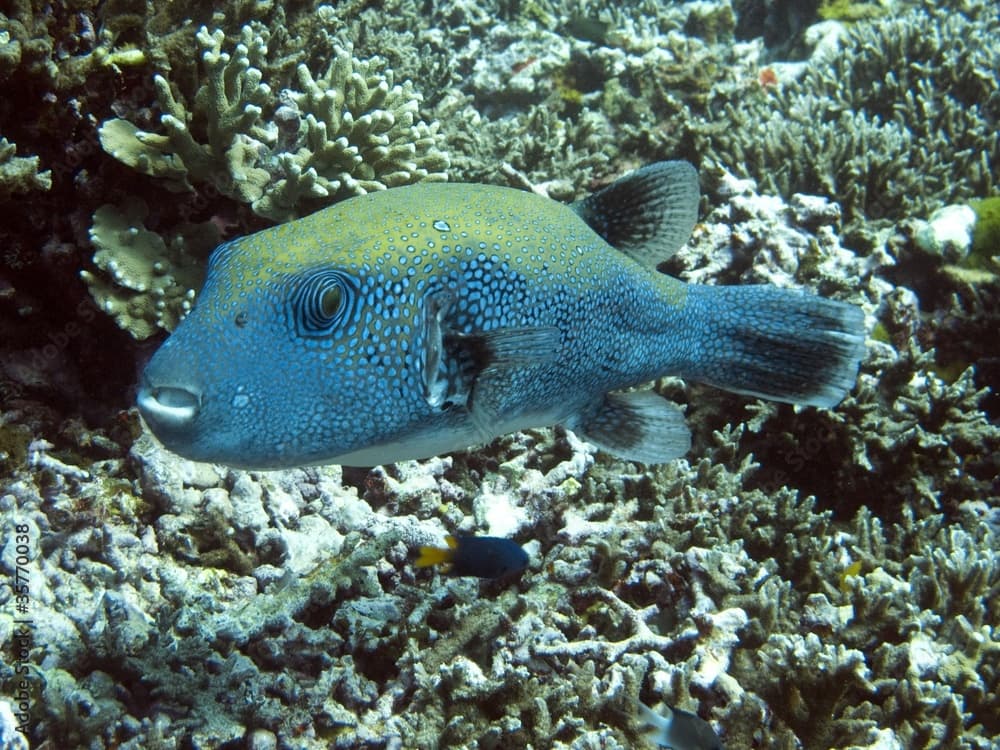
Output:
x=436 y=555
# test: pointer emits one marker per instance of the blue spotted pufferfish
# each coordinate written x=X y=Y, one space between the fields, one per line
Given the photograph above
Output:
x=434 y=317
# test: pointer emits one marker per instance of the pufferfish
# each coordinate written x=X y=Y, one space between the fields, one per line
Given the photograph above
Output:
x=435 y=317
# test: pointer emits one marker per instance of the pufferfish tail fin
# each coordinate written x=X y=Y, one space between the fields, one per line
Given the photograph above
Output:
x=779 y=344
x=648 y=214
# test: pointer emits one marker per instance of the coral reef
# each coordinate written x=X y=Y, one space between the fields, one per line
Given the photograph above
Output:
x=145 y=284
x=897 y=119
x=804 y=578
x=350 y=130
x=284 y=608
x=20 y=174
x=314 y=628
x=59 y=55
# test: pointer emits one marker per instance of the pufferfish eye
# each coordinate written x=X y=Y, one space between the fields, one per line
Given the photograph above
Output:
x=330 y=301
x=322 y=301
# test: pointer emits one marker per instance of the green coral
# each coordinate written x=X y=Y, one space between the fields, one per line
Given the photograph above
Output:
x=986 y=232
x=20 y=174
x=143 y=282
x=25 y=43
x=14 y=441
x=355 y=131
x=845 y=10
x=350 y=130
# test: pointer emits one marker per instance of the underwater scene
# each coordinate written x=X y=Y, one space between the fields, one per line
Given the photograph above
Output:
x=500 y=374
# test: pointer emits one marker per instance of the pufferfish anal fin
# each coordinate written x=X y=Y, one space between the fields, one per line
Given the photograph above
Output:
x=638 y=426
x=451 y=362
x=648 y=214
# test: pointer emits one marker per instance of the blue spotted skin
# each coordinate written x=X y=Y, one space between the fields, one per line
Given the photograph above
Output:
x=266 y=372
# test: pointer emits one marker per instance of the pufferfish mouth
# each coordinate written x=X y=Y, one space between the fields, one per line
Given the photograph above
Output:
x=168 y=407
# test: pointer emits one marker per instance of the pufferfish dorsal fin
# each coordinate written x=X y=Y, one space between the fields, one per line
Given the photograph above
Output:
x=451 y=361
x=648 y=214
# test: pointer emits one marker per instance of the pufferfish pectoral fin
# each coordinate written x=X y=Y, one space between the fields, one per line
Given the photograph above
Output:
x=510 y=347
x=648 y=214
x=451 y=362
x=638 y=426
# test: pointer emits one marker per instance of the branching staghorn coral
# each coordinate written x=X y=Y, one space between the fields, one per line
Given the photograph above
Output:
x=351 y=130
x=348 y=132
x=552 y=153
x=895 y=121
x=225 y=117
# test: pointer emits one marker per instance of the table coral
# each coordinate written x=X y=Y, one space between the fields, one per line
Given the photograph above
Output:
x=144 y=283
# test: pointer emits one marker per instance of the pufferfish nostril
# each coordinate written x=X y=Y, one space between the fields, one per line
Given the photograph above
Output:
x=168 y=406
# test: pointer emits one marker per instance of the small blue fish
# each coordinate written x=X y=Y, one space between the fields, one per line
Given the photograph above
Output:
x=478 y=556
x=679 y=730
x=434 y=317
